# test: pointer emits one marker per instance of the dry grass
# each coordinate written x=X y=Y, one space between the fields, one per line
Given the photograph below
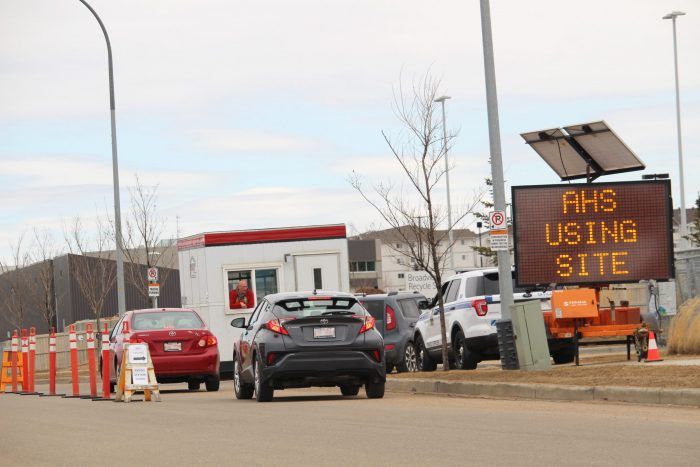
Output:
x=684 y=335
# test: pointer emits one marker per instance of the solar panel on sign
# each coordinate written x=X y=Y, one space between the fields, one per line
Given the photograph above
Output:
x=582 y=151
x=605 y=147
x=552 y=146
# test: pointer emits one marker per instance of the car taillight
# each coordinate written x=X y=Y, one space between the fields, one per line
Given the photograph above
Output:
x=368 y=324
x=135 y=338
x=271 y=357
x=389 y=347
x=481 y=307
x=207 y=341
x=390 y=318
x=376 y=355
x=274 y=325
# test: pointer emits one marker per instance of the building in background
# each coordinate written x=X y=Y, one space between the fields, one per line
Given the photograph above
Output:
x=365 y=264
x=62 y=279
x=391 y=261
x=690 y=214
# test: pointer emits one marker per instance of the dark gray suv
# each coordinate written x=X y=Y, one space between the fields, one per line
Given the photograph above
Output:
x=396 y=314
x=298 y=340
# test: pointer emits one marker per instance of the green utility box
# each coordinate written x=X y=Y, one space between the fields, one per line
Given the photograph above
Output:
x=530 y=335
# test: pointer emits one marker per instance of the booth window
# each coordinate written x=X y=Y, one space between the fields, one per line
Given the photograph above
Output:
x=265 y=283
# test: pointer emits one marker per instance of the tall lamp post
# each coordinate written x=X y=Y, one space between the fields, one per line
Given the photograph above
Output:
x=121 y=299
x=450 y=234
x=504 y=327
x=683 y=231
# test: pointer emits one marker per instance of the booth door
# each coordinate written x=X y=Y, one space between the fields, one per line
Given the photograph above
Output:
x=318 y=272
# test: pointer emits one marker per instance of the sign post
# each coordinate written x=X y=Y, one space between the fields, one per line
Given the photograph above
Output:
x=153 y=286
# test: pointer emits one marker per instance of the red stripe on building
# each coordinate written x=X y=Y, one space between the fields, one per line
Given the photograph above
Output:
x=292 y=234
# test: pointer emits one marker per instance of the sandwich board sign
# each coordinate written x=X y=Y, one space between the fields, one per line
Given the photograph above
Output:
x=137 y=374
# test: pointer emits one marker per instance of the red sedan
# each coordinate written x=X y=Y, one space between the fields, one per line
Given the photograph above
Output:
x=181 y=346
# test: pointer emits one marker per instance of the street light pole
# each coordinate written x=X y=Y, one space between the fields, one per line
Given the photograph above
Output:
x=506 y=338
x=450 y=234
x=121 y=299
x=684 y=229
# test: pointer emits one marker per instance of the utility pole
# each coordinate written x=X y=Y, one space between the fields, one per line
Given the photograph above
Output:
x=506 y=338
x=450 y=234
x=121 y=298
x=684 y=226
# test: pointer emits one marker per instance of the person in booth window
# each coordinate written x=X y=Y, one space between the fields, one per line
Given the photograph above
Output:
x=241 y=296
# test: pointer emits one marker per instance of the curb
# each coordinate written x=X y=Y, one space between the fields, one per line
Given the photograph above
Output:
x=551 y=392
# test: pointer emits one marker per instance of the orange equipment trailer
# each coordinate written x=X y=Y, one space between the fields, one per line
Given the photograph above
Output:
x=576 y=314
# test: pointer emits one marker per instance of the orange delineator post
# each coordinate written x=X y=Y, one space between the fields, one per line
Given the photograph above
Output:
x=25 y=360
x=14 y=350
x=105 y=367
x=74 y=361
x=32 y=359
x=91 y=360
x=52 y=362
x=105 y=363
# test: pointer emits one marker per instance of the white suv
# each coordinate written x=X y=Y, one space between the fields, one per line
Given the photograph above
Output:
x=472 y=308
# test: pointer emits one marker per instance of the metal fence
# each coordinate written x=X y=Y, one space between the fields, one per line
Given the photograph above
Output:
x=687 y=274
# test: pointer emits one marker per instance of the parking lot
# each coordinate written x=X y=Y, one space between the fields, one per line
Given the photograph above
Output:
x=318 y=426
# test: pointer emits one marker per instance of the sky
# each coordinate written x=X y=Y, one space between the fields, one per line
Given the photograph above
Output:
x=254 y=114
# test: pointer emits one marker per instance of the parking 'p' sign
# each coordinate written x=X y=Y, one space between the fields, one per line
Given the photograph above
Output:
x=497 y=220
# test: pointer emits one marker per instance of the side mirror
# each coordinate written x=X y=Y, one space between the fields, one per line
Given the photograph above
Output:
x=423 y=304
x=238 y=322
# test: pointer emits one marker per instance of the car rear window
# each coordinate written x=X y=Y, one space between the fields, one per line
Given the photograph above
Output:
x=409 y=308
x=491 y=286
x=318 y=306
x=375 y=308
x=166 y=320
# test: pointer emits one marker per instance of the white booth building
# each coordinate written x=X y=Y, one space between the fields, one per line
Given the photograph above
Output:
x=271 y=260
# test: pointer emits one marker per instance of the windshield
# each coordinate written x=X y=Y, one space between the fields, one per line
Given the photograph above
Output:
x=318 y=306
x=166 y=320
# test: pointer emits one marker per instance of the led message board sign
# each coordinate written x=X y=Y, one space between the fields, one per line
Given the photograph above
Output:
x=593 y=233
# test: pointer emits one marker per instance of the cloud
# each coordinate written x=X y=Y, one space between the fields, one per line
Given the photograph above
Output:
x=225 y=140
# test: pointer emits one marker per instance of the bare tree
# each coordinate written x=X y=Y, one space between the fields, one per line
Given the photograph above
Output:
x=144 y=238
x=416 y=217
x=93 y=269
x=43 y=252
x=18 y=293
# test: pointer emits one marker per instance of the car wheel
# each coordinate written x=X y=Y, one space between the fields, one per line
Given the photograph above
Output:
x=565 y=355
x=374 y=390
x=349 y=390
x=242 y=390
x=212 y=383
x=193 y=385
x=464 y=358
x=263 y=392
x=409 y=359
x=424 y=362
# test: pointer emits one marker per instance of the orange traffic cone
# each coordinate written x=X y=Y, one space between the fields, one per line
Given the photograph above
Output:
x=653 y=352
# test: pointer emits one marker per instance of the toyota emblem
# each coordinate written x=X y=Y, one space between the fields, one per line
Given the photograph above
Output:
x=172 y=333
x=324 y=321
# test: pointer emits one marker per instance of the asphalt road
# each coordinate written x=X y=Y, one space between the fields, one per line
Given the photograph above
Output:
x=319 y=427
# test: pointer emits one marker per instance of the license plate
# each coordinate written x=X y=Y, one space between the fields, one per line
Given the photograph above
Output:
x=324 y=333
x=173 y=346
